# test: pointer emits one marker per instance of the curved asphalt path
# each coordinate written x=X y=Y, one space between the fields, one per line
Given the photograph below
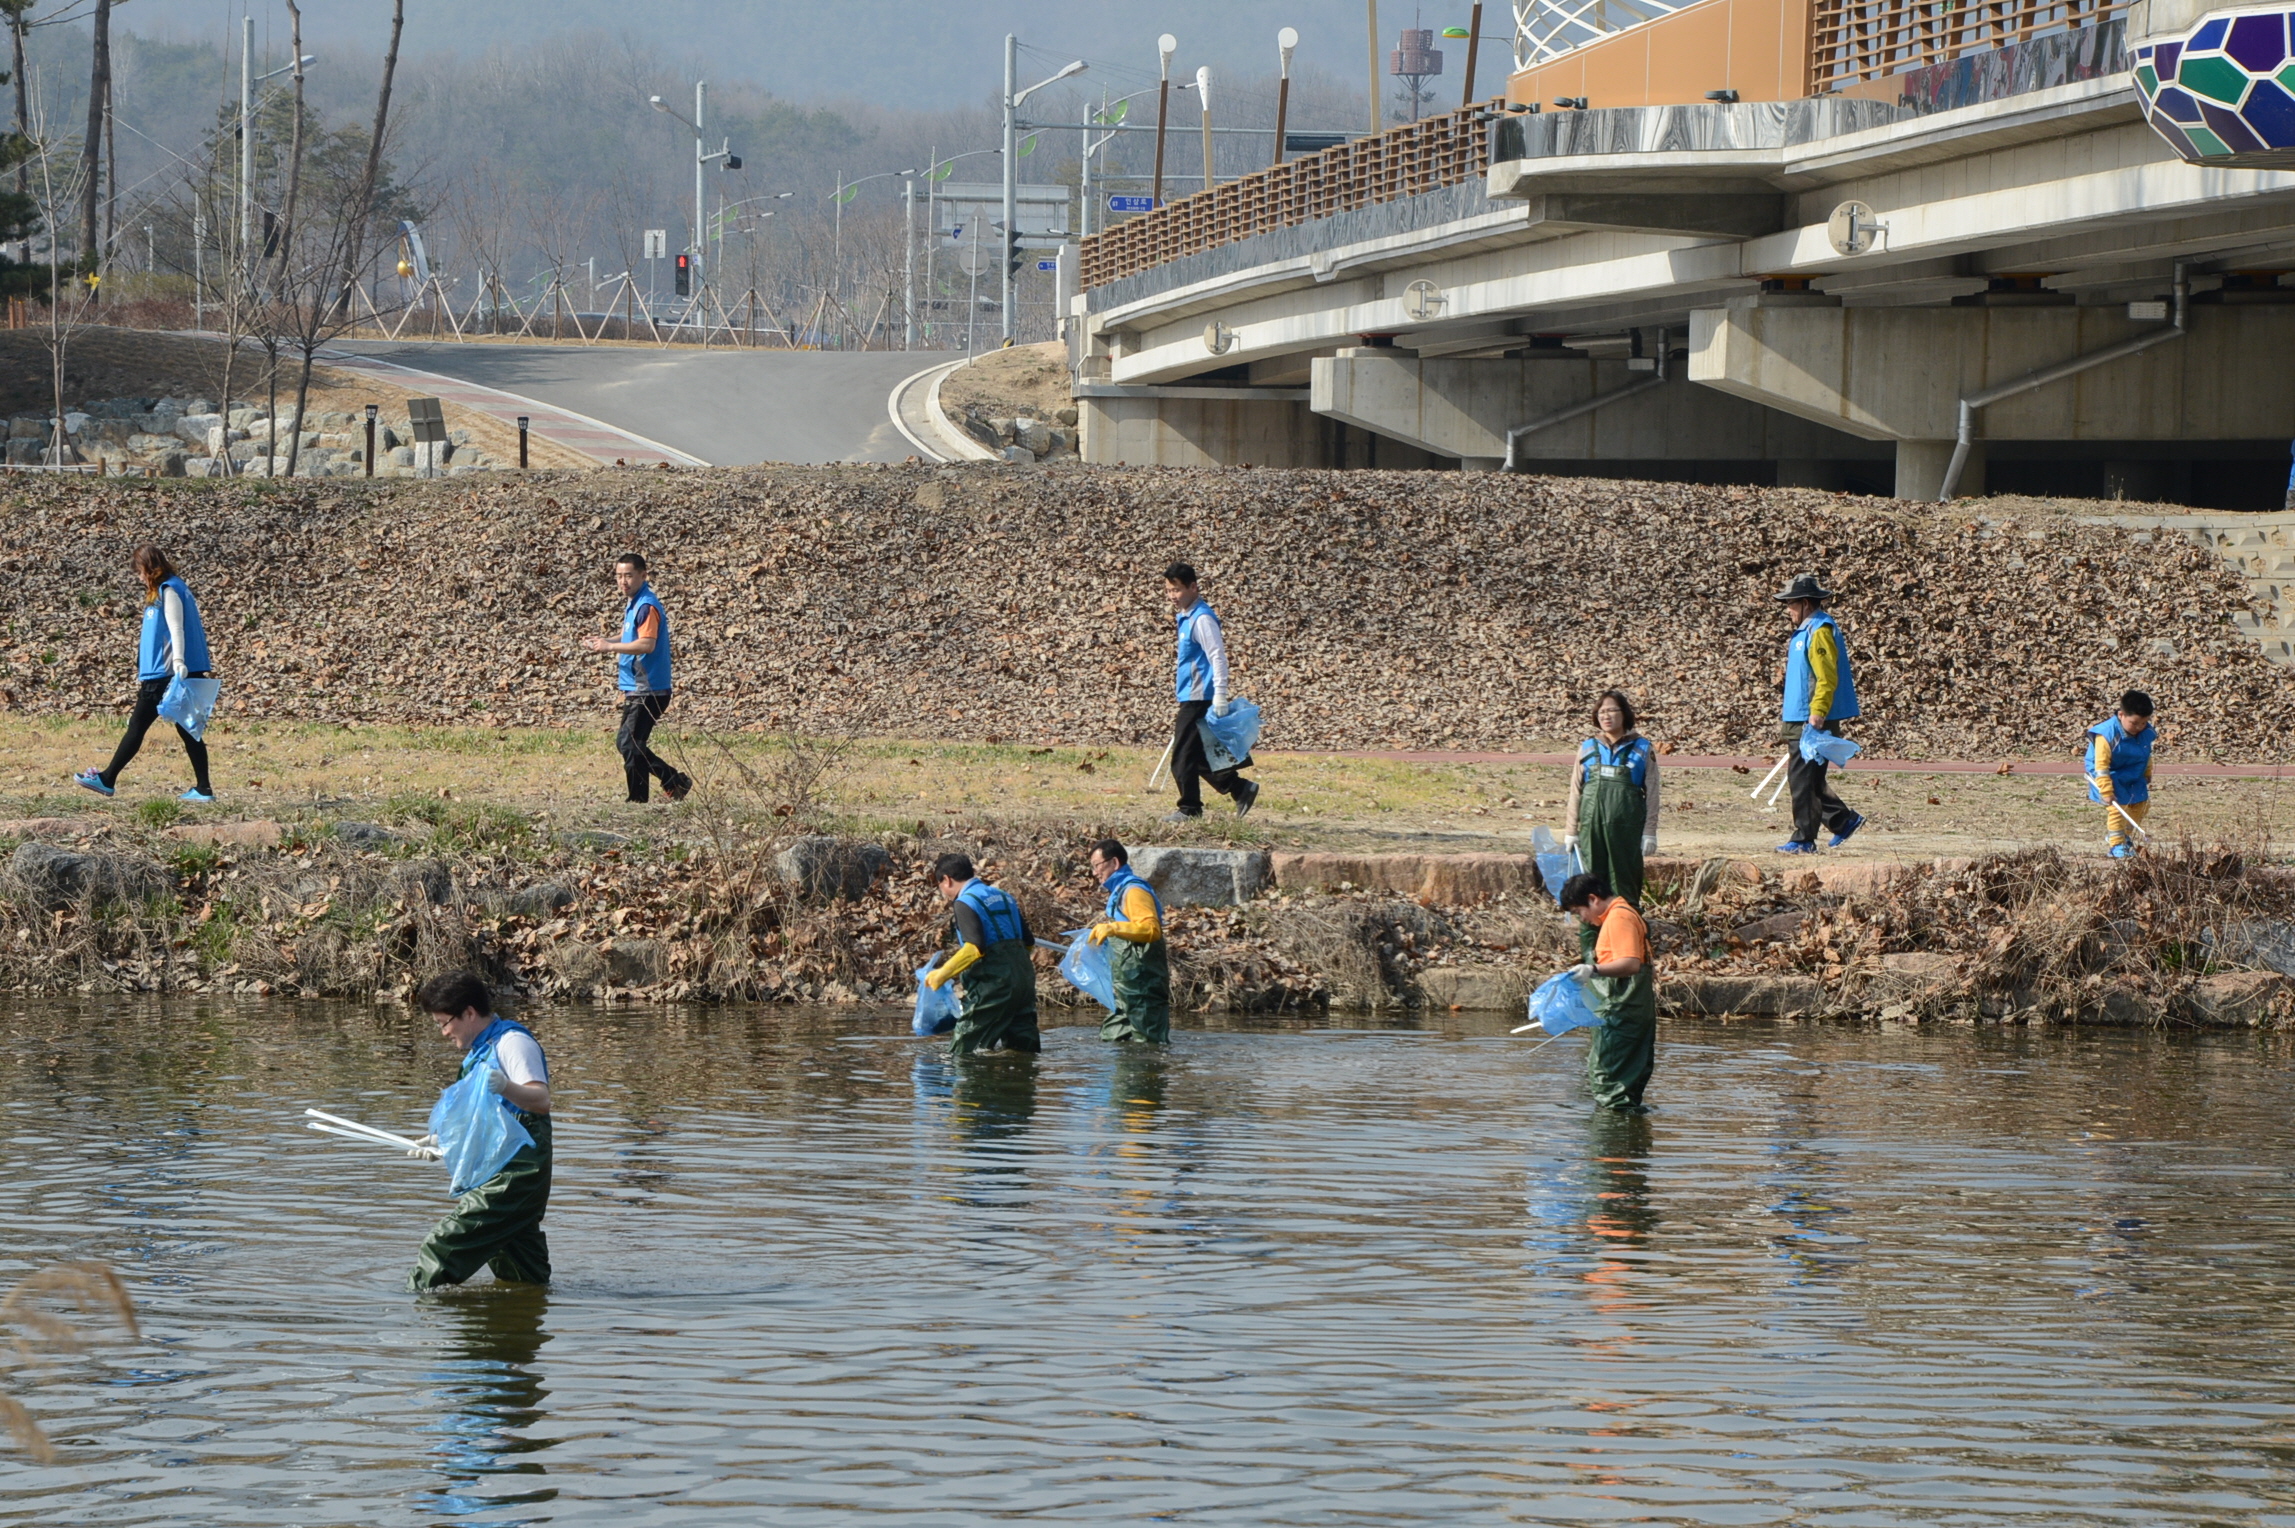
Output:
x=728 y=407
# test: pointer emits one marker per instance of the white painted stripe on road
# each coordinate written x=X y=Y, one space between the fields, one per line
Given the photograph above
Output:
x=528 y=406
x=899 y=396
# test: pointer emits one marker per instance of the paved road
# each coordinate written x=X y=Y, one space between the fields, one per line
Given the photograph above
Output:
x=726 y=407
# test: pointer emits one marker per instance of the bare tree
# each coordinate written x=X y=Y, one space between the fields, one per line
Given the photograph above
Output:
x=364 y=209
x=19 y=15
x=92 y=142
x=72 y=287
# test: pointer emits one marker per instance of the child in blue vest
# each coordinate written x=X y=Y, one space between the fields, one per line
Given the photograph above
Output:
x=2119 y=766
x=173 y=646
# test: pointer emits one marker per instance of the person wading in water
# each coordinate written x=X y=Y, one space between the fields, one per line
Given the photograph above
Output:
x=1623 y=988
x=497 y=1224
x=1137 y=960
x=995 y=956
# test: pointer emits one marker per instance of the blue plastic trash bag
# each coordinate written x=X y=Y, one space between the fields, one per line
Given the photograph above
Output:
x=478 y=1133
x=1086 y=967
x=1227 y=739
x=189 y=702
x=1827 y=748
x=1559 y=1005
x=935 y=1011
x=1555 y=864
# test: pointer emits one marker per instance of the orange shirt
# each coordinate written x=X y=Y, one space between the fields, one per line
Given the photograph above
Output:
x=1623 y=934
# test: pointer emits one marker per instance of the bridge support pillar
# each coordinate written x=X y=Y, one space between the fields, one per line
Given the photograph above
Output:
x=1921 y=467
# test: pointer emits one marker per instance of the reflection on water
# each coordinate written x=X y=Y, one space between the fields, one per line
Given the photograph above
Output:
x=812 y=1271
x=487 y=1394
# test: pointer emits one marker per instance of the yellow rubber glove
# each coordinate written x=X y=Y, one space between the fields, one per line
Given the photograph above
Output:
x=949 y=969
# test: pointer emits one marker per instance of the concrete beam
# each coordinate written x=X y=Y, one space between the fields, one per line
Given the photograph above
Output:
x=1701 y=215
x=1463 y=408
x=1899 y=373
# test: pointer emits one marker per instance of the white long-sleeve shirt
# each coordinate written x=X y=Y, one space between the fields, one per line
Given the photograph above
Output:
x=171 y=607
x=1214 y=644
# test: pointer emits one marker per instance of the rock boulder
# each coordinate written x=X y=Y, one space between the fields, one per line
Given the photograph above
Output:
x=832 y=869
x=1203 y=877
x=59 y=877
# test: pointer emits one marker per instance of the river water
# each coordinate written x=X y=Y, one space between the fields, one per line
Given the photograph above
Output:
x=810 y=1271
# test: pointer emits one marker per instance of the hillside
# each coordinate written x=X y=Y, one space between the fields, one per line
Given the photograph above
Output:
x=1365 y=610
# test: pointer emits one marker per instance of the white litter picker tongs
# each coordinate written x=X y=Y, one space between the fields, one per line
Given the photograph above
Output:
x=2135 y=826
x=351 y=1129
x=1783 y=759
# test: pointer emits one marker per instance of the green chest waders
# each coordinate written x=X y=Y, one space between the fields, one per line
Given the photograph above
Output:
x=1612 y=812
x=496 y=1225
x=1142 y=974
x=1624 y=1048
x=999 y=1005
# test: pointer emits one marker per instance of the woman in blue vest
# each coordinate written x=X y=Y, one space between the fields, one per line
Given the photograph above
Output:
x=1138 y=964
x=1613 y=808
x=498 y=1223
x=173 y=646
x=995 y=956
x=1820 y=691
x=2119 y=767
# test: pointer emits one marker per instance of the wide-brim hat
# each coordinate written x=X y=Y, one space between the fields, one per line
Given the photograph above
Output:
x=1805 y=587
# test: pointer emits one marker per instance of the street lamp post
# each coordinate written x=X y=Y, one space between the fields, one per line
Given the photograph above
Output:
x=1012 y=100
x=1165 y=47
x=1203 y=93
x=1285 y=41
x=702 y=158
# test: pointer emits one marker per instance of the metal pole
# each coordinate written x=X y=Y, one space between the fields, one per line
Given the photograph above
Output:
x=932 y=238
x=908 y=263
x=521 y=442
x=1473 y=42
x=699 y=195
x=837 y=261
x=1203 y=93
x=1376 y=128
x=972 y=307
x=1285 y=41
x=246 y=134
x=1166 y=45
x=1011 y=186
x=198 y=267
x=371 y=409
x=1084 y=212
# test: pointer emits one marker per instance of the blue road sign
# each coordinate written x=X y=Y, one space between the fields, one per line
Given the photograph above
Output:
x=1131 y=204
x=1047 y=265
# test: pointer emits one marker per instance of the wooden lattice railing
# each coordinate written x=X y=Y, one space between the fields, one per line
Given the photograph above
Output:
x=1851 y=41
x=1418 y=157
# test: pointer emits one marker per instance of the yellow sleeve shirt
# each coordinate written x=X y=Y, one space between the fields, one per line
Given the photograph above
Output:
x=1825 y=669
x=1140 y=925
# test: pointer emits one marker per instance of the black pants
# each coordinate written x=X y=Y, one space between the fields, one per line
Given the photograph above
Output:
x=148 y=695
x=639 y=713
x=1189 y=768
x=1814 y=804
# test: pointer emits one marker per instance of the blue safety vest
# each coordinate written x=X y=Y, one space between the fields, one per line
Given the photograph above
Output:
x=999 y=915
x=482 y=1049
x=1631 y=758
x=1801 y=680
x=1194 y=678
x=1122 y=881
x=2131 y=759
x=645 y=673
x=153 y=661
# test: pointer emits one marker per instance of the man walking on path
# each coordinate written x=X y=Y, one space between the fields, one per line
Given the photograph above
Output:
x=645 y=681
x=1820 y=689
x=994 y=955
x=1138 y=964
x=1202 y=691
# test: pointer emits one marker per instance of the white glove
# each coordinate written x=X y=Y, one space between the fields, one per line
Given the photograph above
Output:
x=495 y=1081
x=427 y=1149
x=1584 y=972
x=182 y=669
x=1649 y=844
x=1569 y=843
x=1222 y=707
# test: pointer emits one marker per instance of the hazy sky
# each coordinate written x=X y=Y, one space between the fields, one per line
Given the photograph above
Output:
x=918 y=52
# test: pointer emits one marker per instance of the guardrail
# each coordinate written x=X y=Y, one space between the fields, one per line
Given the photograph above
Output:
x=1410 y=160
x=1853 y=41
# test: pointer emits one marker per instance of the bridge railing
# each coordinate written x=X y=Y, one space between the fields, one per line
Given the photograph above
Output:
x=1410 y=160
x=1853 y=41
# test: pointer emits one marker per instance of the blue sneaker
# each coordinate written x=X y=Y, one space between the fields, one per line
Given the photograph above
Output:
x=88 y=779
x=197 y=797
x=1842 y=837
x=2123 y=851
x=1795 y=846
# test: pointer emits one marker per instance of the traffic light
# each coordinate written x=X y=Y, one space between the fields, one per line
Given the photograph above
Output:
x=685 y=275
x=1014 y=255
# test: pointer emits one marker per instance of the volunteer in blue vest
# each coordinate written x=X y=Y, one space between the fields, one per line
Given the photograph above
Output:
x=2120 y=771
x=644 y=679
x=1202 y=691
x=1820 y=693
x=995 y=957
x=173 y=646
x=1138 y=964
x=498 y=1224
x=1613 y=807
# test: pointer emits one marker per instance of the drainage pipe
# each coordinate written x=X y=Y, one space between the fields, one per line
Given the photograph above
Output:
x=1965 y=432
x=1579 y=410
